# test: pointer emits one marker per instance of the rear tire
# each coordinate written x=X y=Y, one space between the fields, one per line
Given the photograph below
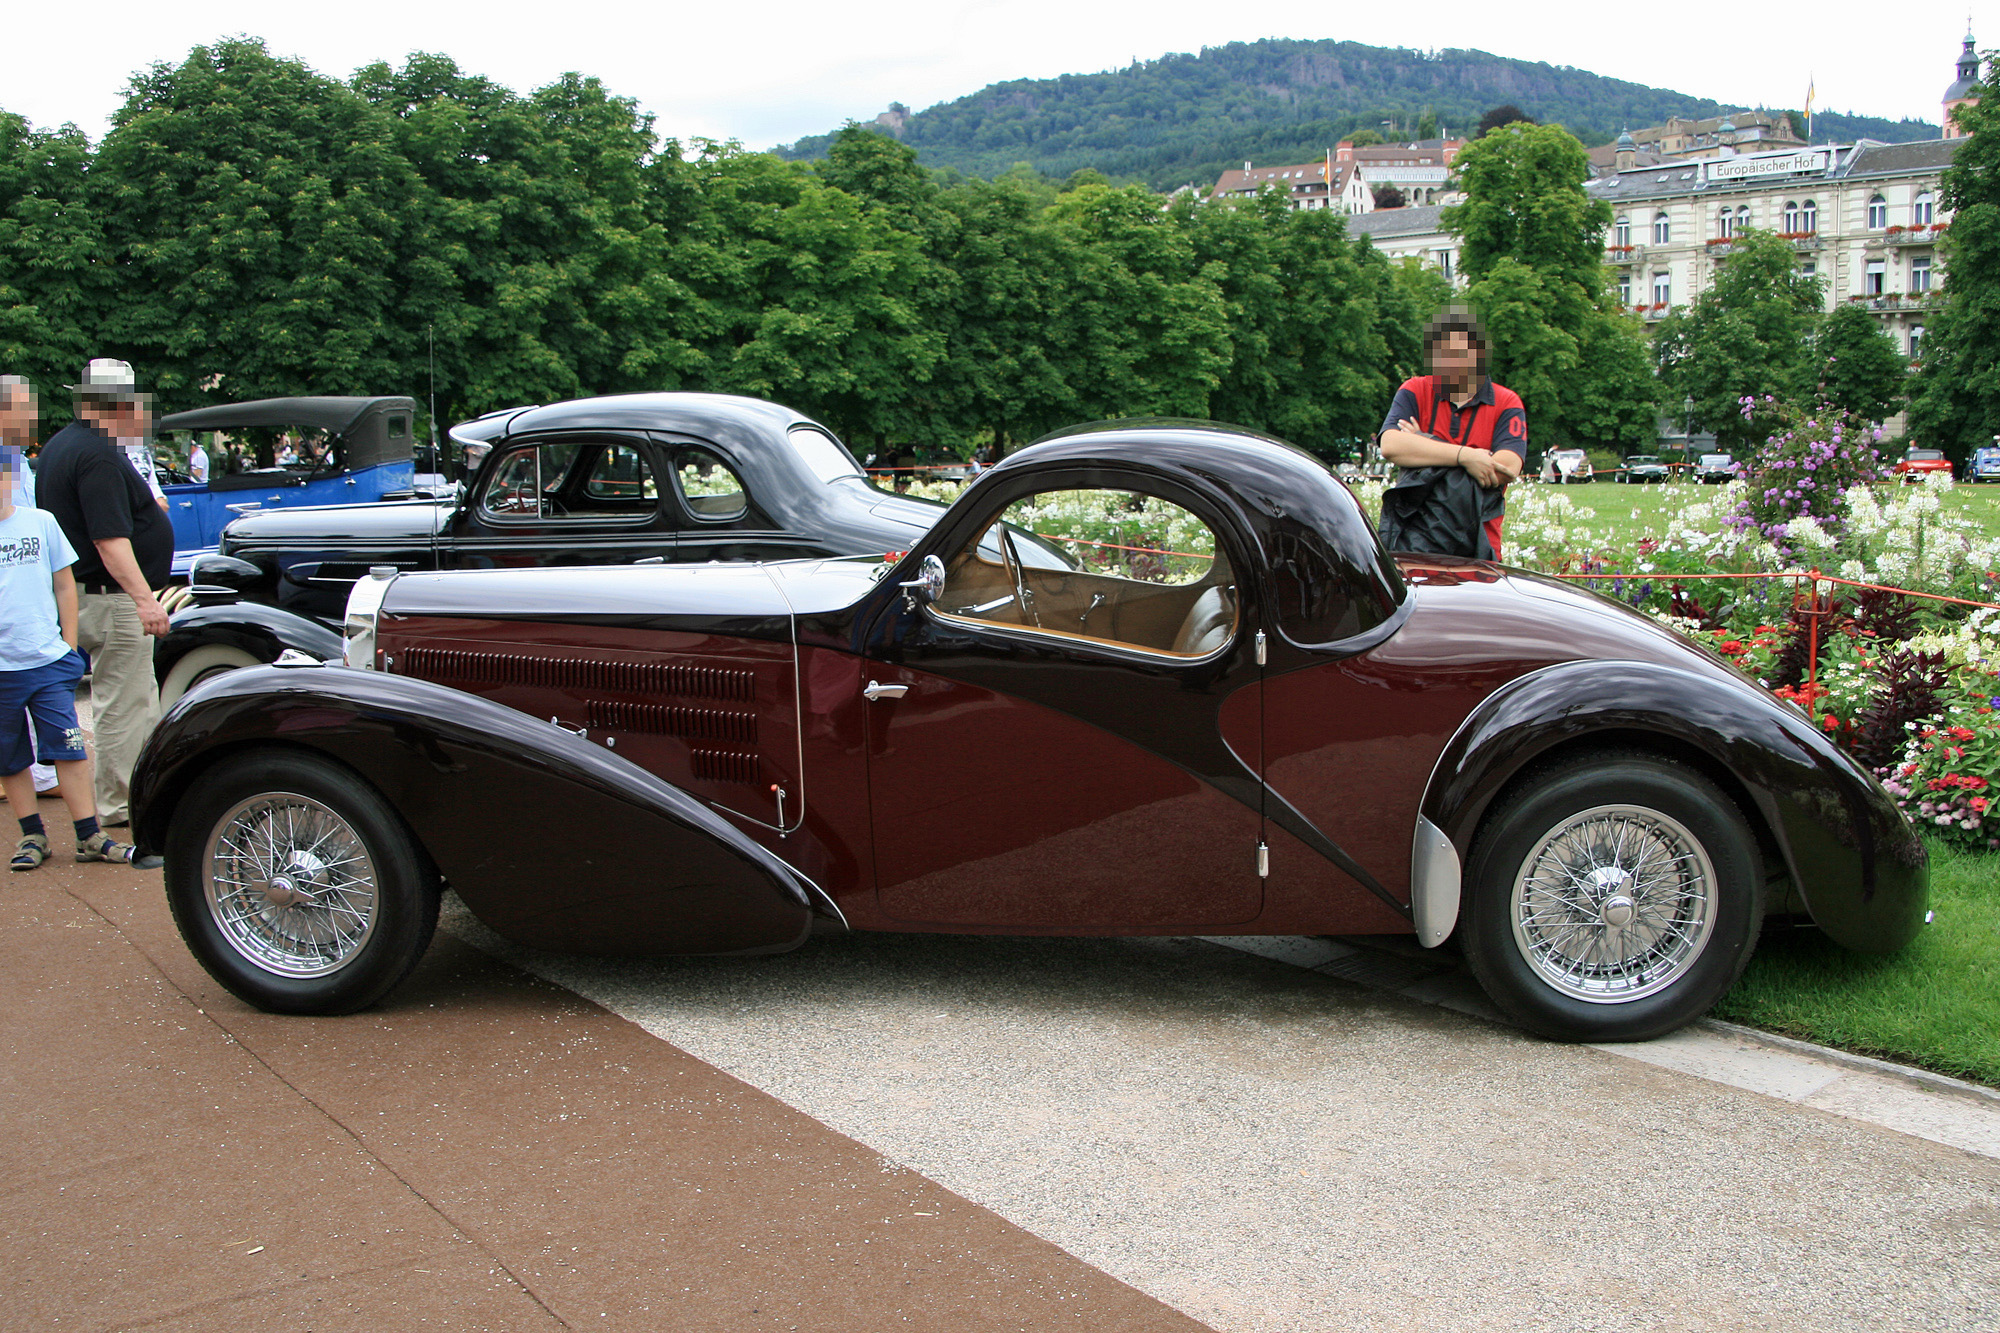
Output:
x=1614 y=897
x=297 y=885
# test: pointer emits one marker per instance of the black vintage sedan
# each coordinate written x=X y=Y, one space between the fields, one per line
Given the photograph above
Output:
x=670 y=477
x=1144 y=678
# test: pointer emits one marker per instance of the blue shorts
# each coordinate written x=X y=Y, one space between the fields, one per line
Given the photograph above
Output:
x=49 y=694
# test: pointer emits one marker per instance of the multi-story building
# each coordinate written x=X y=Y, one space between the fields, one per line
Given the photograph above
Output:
x=1323 y=184
x=1348 y=177
x=1863 y=218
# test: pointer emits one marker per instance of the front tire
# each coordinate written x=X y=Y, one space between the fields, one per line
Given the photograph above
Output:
x=296 y=884
x=1614 y=897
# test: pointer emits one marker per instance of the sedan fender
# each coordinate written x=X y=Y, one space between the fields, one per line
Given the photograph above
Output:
x=548 y=838
x=1854 y=859
x=248 y=628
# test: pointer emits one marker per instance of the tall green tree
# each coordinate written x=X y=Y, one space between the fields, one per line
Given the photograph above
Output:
x=253 y=210
x=1859 y=368
x=53 y=274
x=1532 y=250
x=1955 y=400
x=1748 y=336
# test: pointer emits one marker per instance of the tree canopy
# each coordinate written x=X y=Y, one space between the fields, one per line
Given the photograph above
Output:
x=1955 y=400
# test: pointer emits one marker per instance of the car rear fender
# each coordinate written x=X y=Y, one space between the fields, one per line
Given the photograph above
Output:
x=261 y=631
x=1861 y=870
x=549 y=838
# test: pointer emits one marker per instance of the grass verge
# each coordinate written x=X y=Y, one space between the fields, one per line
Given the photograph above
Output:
x=1936 y=1004
x=1633 y=512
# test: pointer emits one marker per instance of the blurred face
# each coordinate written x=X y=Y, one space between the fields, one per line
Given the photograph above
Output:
x=17 y=416
x=1455 y=360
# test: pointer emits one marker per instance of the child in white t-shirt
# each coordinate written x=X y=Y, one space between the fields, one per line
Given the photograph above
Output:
x=39 y=668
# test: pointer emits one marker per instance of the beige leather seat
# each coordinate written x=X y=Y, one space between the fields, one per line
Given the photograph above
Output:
x=1209 y=622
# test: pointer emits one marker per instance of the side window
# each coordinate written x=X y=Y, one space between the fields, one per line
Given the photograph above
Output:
x=711 y=489
x=515 y=490
x=528 y=482
x=620 y=482
x=1110 y=566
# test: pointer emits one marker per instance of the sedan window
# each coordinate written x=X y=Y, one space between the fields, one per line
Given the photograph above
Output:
x=710 y=486
x=1111 y=566
x=573 y=479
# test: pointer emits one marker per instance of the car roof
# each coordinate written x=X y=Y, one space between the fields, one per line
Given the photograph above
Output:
x=700 y=414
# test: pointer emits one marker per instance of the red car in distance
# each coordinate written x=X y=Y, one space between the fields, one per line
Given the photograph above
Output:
x=1918 y=463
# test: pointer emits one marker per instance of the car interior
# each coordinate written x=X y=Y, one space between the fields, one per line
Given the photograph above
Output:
x=1129 y=593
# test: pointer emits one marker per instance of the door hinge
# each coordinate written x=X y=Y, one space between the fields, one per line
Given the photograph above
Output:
x=1260 y=647
x=1263 y=861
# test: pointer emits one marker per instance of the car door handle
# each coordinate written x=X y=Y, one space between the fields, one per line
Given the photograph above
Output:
x=187 y=504
x=877 y=691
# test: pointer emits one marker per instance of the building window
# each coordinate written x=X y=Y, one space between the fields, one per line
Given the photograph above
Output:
x=1662 y=230
x=1444 y=263
x=1722 y=224
x=1742 y=221
x=1916 y=341
x=1663 y=289
x=1878 y=213
x=1920 y=274
x=1924 y=211
x=1621 y=234
x=1871 y=279
x=1625 y=289
x=1809 y=269
x=1791 y=217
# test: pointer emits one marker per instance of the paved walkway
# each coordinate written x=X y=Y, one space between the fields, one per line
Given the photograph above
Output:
x=483 y=1152
x=924 y=1132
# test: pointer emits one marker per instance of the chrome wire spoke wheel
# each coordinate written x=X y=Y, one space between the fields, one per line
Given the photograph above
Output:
x=290 y=884
x=1613 y=904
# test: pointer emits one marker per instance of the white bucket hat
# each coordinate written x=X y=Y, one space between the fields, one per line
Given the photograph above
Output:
x=108 y=377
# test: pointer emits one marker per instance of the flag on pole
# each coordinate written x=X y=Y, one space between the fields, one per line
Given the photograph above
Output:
x=1809 y=106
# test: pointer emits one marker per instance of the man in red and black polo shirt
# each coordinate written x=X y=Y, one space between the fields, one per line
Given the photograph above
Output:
x=1456 y=416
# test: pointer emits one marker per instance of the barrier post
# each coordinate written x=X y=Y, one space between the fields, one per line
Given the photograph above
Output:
x=1812 y=646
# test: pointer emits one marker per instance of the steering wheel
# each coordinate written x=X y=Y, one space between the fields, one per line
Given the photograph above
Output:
x=1022 y=597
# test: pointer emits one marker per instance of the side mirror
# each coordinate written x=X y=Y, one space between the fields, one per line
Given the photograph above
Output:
x=927 y=586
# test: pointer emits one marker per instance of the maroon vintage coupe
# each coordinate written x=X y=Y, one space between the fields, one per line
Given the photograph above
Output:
x=1142 y=678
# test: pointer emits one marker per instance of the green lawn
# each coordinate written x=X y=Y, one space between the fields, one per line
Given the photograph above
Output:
x=1615 y=504
x=1936 y=1004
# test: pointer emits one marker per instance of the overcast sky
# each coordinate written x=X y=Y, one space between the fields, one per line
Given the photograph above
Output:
x=771 y=72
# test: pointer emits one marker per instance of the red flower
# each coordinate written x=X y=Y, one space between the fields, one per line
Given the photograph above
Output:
x=1979 y=804
x=1830 y=722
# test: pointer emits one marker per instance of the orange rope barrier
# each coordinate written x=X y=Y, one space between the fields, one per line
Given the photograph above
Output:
x=1813 y=578
x=1145 y=550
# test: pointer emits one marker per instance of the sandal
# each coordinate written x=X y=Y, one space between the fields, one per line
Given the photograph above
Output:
x=100 y=846
x=34 y=850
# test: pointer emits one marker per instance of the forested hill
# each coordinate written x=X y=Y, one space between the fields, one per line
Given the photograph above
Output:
x=1183 y=119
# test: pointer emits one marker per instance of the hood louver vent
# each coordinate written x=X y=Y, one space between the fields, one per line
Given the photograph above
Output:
x=580 y=673
x=694 y=724
x=724 y=766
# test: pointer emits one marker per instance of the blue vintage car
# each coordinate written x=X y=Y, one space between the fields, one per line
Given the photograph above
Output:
x=364 y=445
x=1985 y=465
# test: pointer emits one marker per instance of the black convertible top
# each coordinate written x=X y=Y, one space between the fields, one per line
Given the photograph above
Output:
x=372 y=430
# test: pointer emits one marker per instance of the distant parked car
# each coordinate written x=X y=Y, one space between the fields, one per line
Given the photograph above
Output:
x=363 y=452
x=1985 y=465
x=668 y=477
x=1920 y=463
x=1567 y=465
x=1643 y=467
x=1713 y=468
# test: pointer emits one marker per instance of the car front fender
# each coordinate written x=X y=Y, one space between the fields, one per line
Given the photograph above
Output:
x=1861 y=869
x=550 y=839
x=261 y=631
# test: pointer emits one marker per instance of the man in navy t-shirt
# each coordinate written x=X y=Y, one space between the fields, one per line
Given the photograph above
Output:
x=1457 y=416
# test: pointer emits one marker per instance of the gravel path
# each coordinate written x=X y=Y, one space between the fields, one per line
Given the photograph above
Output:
x=1269 y=1148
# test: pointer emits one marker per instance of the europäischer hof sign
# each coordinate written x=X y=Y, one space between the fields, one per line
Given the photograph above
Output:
x=1768 y=164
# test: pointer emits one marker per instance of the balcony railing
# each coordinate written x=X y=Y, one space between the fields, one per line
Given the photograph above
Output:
x=1914 y=235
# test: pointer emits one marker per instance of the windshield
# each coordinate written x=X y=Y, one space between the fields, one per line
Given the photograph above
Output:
x=1924 y=455
x=1642 y=458
x=825 y=456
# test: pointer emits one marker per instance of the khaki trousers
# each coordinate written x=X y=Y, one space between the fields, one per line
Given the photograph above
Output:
x=124 y=697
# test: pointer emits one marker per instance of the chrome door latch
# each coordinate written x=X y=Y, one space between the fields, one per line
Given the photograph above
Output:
x=1260 y=647
x=571 y=727
x=877 y=691
x=1263 y=860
